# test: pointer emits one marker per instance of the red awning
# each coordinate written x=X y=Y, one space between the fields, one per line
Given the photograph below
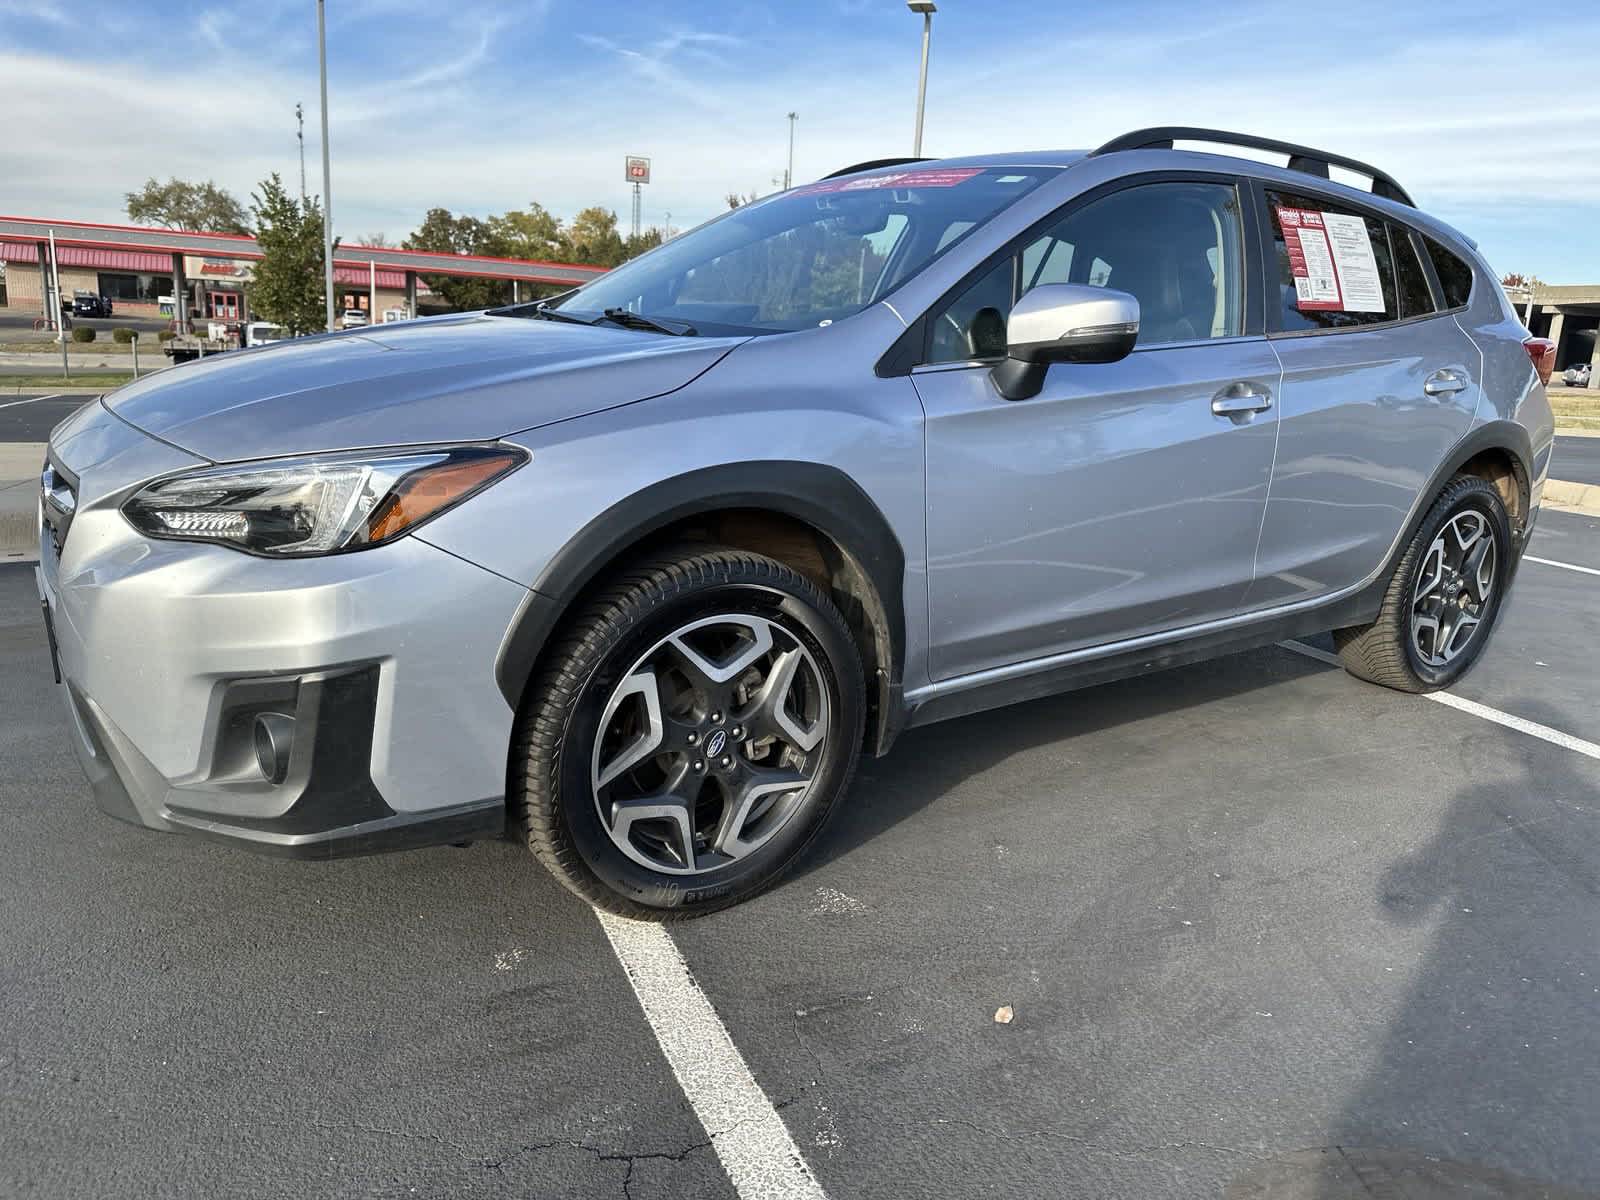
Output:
x=360 y=277
x=137 y=261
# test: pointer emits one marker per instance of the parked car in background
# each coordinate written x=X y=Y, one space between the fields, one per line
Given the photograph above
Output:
x=639 y=572
x=352 y=318
x=88 y=304
x=1578 y=376
x=264 y=333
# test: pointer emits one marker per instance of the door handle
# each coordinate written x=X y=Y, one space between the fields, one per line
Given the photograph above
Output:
x=1443 y=383
x=1241 y=399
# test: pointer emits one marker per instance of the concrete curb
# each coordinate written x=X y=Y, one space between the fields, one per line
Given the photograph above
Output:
x=19 y=515
x=1573 y=497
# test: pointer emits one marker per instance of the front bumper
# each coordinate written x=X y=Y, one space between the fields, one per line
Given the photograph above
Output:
x=384 y=659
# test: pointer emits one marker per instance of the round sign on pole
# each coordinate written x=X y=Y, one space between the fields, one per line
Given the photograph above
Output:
x=637 y=169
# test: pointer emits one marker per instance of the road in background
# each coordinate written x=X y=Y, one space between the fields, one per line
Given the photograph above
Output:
x=19 y=327
x=1576 y=459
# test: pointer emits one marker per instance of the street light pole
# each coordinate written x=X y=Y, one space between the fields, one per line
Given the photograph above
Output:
x=927 y=8
x=788 y=174
x=327 y=171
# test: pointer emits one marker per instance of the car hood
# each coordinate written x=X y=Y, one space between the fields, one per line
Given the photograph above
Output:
x=442 y=379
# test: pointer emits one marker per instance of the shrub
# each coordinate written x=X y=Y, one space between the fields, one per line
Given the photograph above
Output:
x=123 y=336
x=81 y=334
x=166 y=335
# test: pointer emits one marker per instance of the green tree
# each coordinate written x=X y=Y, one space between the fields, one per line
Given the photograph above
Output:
x=443 y=232
x=179 y=204
x=287 y=289
x=593 y=238
x=635 y=245
x=533 y=232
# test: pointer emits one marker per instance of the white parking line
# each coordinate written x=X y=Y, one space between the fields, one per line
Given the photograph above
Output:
x=761 y=1159
x=1532 y=728
x=29 y=400
x=1550 y=562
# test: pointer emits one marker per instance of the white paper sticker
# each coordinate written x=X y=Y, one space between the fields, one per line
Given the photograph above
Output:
x=1359 y=284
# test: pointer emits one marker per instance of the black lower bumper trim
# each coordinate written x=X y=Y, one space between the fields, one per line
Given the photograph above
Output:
x=486 y=819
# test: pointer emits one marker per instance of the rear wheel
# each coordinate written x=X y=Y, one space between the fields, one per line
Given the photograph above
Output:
x=689 y=735
x=1442 y=602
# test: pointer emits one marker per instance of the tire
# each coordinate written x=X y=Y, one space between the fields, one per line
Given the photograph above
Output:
x=737 y=819
x=1393 y=650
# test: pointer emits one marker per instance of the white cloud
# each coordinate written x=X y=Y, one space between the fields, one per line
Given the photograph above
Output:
x=522 y=109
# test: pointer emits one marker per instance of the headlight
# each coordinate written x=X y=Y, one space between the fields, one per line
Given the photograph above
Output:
x=317 y=505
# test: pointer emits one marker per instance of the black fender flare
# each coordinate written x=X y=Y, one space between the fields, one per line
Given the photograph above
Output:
x=1499 y=434
x=823 y=497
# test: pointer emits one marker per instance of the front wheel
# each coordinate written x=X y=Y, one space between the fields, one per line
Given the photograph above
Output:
x=1442 y=602
x=689 y=735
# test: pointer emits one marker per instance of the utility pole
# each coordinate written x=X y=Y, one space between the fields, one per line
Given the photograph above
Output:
x=300 y=133
x=927 y=8
x=327 y=170
x=61 y=325
x=788 y=174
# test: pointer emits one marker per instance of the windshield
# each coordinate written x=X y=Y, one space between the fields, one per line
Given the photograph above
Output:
x=809 y=256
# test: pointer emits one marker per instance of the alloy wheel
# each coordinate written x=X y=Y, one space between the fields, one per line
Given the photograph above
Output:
x=709 y=744
x=1454 y=584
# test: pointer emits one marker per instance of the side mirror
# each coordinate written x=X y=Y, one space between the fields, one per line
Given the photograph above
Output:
x=1064 y=322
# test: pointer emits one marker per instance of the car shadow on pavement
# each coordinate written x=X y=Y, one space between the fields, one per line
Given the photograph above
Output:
x=929 y=763
x=1488 y=1077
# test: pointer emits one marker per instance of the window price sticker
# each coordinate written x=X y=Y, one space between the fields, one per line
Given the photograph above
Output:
x=1331 y=260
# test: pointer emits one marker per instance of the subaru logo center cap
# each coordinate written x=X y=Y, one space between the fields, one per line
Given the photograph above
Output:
x=717 y=743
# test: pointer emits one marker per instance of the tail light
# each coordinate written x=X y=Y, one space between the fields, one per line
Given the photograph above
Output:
x=1542 y=353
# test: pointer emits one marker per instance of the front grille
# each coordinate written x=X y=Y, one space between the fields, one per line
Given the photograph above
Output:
x=58 y=493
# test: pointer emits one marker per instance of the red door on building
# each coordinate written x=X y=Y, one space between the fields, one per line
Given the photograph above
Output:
x=223 y=306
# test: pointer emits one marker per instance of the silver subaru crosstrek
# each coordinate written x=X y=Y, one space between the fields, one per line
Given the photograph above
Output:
x=637 y=572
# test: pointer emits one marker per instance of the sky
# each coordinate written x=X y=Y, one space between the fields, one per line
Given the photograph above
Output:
x=1488 y=115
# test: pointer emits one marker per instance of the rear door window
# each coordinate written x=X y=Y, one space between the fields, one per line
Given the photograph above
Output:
x=1455 y=276
x=1416 y=297
x=1334 y=266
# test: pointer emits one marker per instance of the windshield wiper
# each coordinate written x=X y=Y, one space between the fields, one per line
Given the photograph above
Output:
x=545 y=313
x=539 y=310
x=632 y=320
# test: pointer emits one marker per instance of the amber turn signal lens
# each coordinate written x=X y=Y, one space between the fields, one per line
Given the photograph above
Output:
x=420 y=495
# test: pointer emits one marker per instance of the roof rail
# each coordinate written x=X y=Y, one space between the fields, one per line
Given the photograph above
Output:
x=874 y=164
x=1301 y=158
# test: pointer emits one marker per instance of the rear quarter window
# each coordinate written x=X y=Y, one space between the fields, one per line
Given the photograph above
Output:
x=1416 y=297
x=1455 y=274
x=1300 y=305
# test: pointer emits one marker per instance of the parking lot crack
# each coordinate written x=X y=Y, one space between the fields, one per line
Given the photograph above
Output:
x=629 y=1158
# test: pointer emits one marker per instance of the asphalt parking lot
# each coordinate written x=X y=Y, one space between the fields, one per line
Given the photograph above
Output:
x=1263 y=928
x=29 y=417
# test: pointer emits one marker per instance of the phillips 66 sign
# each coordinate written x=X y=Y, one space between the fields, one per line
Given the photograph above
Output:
x=638 y=169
